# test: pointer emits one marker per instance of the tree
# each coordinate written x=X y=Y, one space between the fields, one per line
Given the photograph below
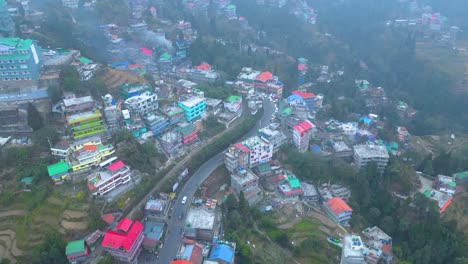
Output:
x=34 y=118
x=231 y=202
x=51 y=251
x=45 y=137
x=55 y=93
x=70 y=79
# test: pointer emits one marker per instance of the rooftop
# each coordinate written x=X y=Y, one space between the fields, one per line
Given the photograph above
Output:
x=264 y=76
x=222 y=252
x=185 y=130
x=338 y=206
x=234 y=98
x=74 y=247
x=244 y=176
x=57 y=168
x=155 y=205
x=201 y=218
x=16 y=43
x=371 y=151
x=154 y=229
x=170 y=137
x=84 y=116
x=309 y=189
x=77 y=101
x=353 y=247
x=117 y=239
x=340 y=146
x=376 y=233
x=191 y=102
x=213 y=102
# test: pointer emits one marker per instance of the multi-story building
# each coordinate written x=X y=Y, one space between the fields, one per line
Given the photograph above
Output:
x=70 y=3
x=144 y=103
x=378 y=245
x=188 y=131
x=290 y=185
x=244 y=180
x=204 y=74
x=171 y=142
x=76 y=251
x=6 y=22
x=89 y=156
x=109 y=178
x=58 y=171
x=174 y=114
x=302 y=132
x=338 y=210
x=352 y=252
x=76 y=105
x=19 y=61
x=128 y=90
x=269 y=83
x=272 y=134
x=156 y=123
x=193 y=107
x=124 y=242
x=223 y=252
x=237 y=155
x=86 y=123
x=260 y=151
x=201 y=222
x=230 y=11
x=402 y=133
x=248 y=75
x=365 y=154
x=233 y=104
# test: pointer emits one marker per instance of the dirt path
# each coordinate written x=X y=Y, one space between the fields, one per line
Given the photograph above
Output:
x=19 y=212
x=67 y=214
x=72 y=226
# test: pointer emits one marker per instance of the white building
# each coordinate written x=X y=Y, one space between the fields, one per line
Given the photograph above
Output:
x=352 y=252
x=144 y=103
x=273 y=135
x=110 y=177
x=70 y=3
x=365 y=154
x=260 y=151
x=302 y=133
x=244 y=180
x=349 y=129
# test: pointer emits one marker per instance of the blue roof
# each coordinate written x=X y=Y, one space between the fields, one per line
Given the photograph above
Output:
x=316 y=148
x=222 y=252
x=366 y=120
x=153 y=230
x=38 y=94
x=295 y=97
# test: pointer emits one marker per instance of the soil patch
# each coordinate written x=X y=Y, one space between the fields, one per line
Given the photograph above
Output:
x=19 y=212
x=74 y=225
x=67 y=214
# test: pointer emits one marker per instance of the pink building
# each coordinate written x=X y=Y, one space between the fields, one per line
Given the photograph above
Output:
x=124 y=242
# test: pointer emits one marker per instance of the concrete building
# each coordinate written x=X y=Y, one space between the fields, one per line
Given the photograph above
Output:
x=445 y=184
x=213 y=106
x=302 y=132
x=124 y=241
x=289 y=185
x=20 y=60
x=191 y=251
x=188 y=131
x=156 y=123
x=203 y=221
x=14 y=120
x=310 y=192
x=237 y=155
x=76 y=251
x=58 y=171
x=70 y=3
x=244 y=180
x=233 y=104
x=109 y=178
x=171 y=142
x=352 y=251
x=272 y=134
x=203 y=74
x=248 y=75
x=341 y=149
x=85 y=124
x=365 y=154
x=145 y=103
x=338 y=210
x=269 y=83
x=153 y=232
x=193 y=107
x=223 y=252
x=174 y=114
x=128 y=90
x=260 y=151
x=73 y=105
x=378 y=245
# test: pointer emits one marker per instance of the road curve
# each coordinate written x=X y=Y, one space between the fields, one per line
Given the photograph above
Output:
x=173 y=235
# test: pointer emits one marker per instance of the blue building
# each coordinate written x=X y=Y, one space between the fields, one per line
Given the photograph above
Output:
x=223 y=252
x=156 y=123
x=193 y=107
x=19 y=60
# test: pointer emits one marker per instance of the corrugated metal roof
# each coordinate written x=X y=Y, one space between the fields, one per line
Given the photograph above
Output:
x=338 y=206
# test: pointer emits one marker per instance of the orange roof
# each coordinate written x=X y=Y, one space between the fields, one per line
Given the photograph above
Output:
x=89 y=147
x=338 y=206
x=446 y=204
x=386 y=248
x=181 y=261
x=203 y=67
x=303 y=94
x=264 y=76
x=108 y=218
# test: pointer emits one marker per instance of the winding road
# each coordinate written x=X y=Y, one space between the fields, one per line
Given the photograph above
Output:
x=175 y=226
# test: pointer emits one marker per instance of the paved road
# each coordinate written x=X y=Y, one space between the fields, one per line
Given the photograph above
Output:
x=173 y=236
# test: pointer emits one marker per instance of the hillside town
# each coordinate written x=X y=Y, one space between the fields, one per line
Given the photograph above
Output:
x=167 y=150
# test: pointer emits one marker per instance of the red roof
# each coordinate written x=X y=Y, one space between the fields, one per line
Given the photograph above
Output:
x=153 y=9
x=446 y=204
x=146 y=51
x=197 y=254
x=304 y=95
x=338 y=206
x=242 y=147
x=386 y=248
x=299 y=129
x=124 y=224
x=301 y=67
x=89 y=147
x=113 y=167
x=203 y=67
x=116 y=239
x=181 y=261
x=108 y=218
x=306 y=125
x=264 y=76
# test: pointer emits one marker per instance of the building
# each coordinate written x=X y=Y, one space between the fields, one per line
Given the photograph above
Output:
x=128 y=90
x=70 y=3
x=58 y=171
x=156 y=123
x=109 y=178
x=269 y=83
x=341 y=149
x=155 y=206
x=124 y=242
x=76 y=251
x=302 y=132
x=188 y=131
x=14 y=120
x=352 y=251
x=86 y=123
x=365 y=154
x=203 y=74
x=402 y=133
x=191 y=251
x=223 y=252
x=260 y=151
x=174 y=114
x=233 y=104
x=203 y=222
x=6 y=22
x=171 y=142
x=310 y=192
x=244 y=180
x=20 y=62
x=230 y=11
x=338 y=210
x=193 y=107
x=237 y=155
x=73 y=105
x=272 y=134
x=309 y=99
x=289 y=185
x=153 y=232
x=378 y=245
x=248 y=75
x=89 y=156
x=213 y=105
x=445 y=184
x=144 y=103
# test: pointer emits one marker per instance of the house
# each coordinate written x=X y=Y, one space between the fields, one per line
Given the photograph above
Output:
x=76 y=251
x=188 y=131
x=290 y=186
x=174 y=114
x=156 y=123
x=223 y=252
x=191 y=251
x=269 y=83
x=128 y=90
x=193 y=107
x=378 y=245
x=310 y=192
x=87 y=123
x=145 y=103
x=124 y=241
x=352 y=250
x=248 y=154
x=302 y=132
x=88 y=156
x=94 y=238
x=461 y=177
x=445 y=184
x=274 y=135
x=201 y=223
x=58 y=171
x=171 y=142
x=153 y=231
x=213 y=105
x=367 y=153
x=74 y=105
x=443 y=199
x=203 y=74
x=70 y=3
x=233 y=104
x=109 y=178
x=21 y=60
x=308 y=98
x=244 y=180
x=155 y=206
x=237 y=155
x=338 y=210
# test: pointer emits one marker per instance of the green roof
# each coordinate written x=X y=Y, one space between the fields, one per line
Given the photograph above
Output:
x=165 y=56
x=461 y=175
x=234 y=98
x=294 y=182
x=302 y=60
x=452 y=184
x=27 y=180
x=187 y=129
x=264 y=167
x=231 y=6
x=19 y=44
x=3 y=3
x=427 y=193
x=85 y=61
x=287 y=111
x=75 y=247
x=103 y=147
x=57 y=168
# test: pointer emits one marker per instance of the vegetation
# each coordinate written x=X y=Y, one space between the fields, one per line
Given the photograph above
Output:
x=211 y=127
x=34 y=118
x=51 y=251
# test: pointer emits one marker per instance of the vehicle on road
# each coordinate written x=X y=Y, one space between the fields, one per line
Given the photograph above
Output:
x=180 y=216
x=184 y=199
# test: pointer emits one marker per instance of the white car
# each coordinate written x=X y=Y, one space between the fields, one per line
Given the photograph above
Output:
x=184 y=199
